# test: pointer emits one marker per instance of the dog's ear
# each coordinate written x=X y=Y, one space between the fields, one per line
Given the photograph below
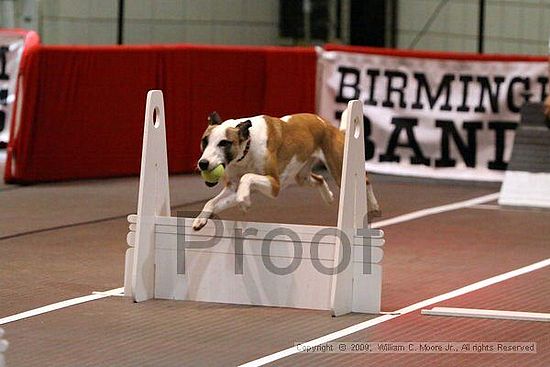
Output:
x=214 y=119
x=244 y=132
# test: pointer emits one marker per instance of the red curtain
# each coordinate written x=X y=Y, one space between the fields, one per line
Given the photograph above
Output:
x=83 y=107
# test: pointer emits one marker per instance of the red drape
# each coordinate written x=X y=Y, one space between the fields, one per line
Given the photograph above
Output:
x=83 y=107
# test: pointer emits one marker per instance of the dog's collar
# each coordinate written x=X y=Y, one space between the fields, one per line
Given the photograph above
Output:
x=246 y=149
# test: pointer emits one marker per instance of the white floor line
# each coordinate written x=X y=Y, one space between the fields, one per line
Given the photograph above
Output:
x=59 y=305
x=510 y=208
x=435 y=210
x=487 y=207
x=117 y=292
x=403 y=311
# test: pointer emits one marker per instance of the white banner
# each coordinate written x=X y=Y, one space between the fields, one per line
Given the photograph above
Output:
x=11 y=48
x=432 y=117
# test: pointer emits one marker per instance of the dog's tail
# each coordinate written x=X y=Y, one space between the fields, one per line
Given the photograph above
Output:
x=343 y=121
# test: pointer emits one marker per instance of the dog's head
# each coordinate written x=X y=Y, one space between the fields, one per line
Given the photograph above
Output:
x=223 y=142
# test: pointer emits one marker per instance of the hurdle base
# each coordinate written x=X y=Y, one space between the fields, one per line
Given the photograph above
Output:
x=234 y=269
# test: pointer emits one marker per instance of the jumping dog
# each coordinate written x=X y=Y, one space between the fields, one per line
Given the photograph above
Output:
x=265 y=153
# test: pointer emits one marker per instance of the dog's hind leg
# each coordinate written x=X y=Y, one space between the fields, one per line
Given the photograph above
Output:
x=321 y=183
x=333 y=157
x=306 y=177
x=373 y=209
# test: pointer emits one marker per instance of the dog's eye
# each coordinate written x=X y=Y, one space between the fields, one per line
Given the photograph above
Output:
x=204 y=142
x=225 y=143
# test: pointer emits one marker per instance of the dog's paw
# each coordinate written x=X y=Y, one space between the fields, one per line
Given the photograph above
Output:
x=328 y=197
x=199 y=222
x=244 y=202
x=374 y=214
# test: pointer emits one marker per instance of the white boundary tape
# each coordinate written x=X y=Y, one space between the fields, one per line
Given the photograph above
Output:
x=59 y=305
x=414 y=307
x=436 y=210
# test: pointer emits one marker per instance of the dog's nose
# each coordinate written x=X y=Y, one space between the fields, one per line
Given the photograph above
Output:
x=203 y=164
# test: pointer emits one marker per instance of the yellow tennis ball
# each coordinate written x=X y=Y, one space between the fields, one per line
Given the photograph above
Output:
x=214 y=175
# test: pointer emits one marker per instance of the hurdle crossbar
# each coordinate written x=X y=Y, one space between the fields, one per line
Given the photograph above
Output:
x=227 y=261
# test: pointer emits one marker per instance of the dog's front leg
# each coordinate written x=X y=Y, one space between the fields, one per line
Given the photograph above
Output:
x=225 y=199
x=266 y=184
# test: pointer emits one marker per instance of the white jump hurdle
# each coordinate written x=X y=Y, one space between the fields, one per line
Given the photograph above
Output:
x=168 y=260
x=3 y=347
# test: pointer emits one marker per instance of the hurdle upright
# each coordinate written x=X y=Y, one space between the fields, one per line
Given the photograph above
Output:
x=269 y=264
x=3 y=347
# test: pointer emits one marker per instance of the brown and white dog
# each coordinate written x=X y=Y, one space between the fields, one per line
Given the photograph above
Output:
x=264 y=154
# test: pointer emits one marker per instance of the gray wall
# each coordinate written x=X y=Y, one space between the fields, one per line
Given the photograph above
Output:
x=160 y=21
x=520 y=26
x=512 y=26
